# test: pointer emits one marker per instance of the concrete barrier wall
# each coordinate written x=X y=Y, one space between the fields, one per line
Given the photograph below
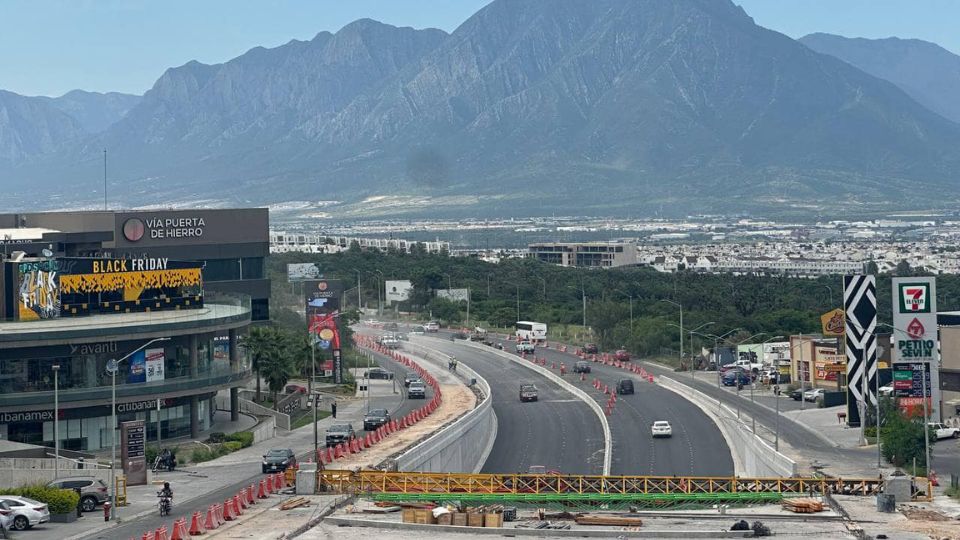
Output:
x=463 y=445
x=264 y=430
x=282 y=420
x=580 y=394
x=752 y=456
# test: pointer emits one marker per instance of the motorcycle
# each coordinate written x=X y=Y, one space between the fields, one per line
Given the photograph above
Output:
x=166 y=504
x=165 y=461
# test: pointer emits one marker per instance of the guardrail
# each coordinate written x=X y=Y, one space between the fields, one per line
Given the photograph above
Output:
x=463 y=445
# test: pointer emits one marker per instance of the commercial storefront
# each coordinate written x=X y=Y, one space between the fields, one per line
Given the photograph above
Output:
x=80 y=292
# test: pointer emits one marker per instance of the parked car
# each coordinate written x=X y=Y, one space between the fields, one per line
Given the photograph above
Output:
x=625 y=386
x=731 y=378
x=661 y=428
x=339 y=433
x=6 y=519
x=622 y=355
x=410 y=377
x=278 y=459
x=417 y=390
x=417 y=330
x=944 y=431
x=25 y=513
x=813 y=394
x=432 y=326
x=391 y=326
x=379 y=373
x=581 y=366
x=375 y=418
x=528 y=392
x=591 y=348
x=797 y=394
x=886 y=390
x=93 y=491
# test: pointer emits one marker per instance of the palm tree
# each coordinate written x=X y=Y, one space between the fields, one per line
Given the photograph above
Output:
x=276 y=367
x=259 y=343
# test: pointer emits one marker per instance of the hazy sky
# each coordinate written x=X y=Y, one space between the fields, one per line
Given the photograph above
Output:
x=52 y=46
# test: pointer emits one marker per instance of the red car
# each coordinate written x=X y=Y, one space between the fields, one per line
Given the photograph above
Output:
x=621 y=355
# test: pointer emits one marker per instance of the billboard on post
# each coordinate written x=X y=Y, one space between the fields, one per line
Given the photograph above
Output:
x=321 y=298
x=456 y=295
x=915 y=339
x=302 y=271
x=398 y=290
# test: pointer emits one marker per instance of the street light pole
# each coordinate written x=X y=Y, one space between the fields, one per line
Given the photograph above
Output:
x=680 y=307
x=112 y=367
x=56 y=420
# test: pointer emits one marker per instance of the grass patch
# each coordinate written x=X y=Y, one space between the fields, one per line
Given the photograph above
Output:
x=953 y=492
x=306 y=418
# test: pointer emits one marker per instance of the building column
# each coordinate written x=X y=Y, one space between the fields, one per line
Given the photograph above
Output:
x=234 y=363
x=194 y=400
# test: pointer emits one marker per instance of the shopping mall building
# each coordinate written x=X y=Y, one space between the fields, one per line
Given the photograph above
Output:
x=166 y=293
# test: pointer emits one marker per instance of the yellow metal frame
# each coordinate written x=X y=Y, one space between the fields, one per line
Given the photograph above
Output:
x=482 y=484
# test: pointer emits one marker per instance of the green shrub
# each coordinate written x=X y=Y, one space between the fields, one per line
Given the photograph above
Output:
x=217 y=437
x=59 y=501
x=244 y=437
x=232 y=446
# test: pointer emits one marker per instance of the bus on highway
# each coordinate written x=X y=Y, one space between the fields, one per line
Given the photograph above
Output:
x=534 y=332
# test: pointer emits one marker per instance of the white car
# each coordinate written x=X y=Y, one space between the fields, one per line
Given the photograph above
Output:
x=944 y=431
x=813 y=394
x=432 y=326
x=24 y=512
x=661 y=428
x=886 y=390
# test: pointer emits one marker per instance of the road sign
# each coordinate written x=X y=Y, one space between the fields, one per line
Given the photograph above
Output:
x=112 y=366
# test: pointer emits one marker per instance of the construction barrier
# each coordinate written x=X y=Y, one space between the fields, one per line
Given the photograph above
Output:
x=179 y=530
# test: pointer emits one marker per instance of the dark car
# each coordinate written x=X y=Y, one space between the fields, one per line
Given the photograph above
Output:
x=93 y=491
x=797 y=394
x=375 y=418
x=278 y=459
x=417 y=390
x=591 y=348
x=339 y=433
x=581 y=367
x=625 y=386
x=621 y=355
x=528 y=392
x=411 y=377
x=731 y=378
x=391 y=326
x=379 y=373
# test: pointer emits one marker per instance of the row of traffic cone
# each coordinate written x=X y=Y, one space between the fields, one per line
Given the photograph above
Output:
x=218 y=514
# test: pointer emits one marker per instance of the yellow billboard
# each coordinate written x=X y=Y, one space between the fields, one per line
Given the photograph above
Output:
x=832 y=323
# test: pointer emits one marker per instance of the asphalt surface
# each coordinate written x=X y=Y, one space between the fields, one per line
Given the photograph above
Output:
x=136 y=527
x=559 y=431
x=697 y=448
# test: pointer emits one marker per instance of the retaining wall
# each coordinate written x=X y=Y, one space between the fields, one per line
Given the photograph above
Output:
x=752 y=456
x=465 y=444
x=19 y=477
x=282 y=420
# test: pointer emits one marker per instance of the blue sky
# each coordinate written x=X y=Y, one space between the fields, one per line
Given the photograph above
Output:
x=53 y=46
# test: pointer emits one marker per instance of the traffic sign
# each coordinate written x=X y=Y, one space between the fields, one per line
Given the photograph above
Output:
x=112 y=366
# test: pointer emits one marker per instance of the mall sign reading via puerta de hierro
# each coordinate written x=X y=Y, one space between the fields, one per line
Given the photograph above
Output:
x=915 y=355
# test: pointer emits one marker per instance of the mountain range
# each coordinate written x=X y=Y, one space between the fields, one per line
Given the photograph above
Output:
x=530 y=106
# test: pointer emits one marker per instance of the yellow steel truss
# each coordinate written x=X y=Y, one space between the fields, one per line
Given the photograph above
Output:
x=481 y=484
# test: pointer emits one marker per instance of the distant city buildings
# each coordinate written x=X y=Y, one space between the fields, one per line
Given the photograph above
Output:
x=282 y=242
x=587 y=254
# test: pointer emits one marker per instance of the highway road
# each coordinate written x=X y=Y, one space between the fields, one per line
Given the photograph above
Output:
x=697 y=447
x=559 y=431
x=246 y=476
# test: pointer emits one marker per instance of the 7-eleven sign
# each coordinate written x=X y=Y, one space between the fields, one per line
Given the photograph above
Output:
x=914 y=297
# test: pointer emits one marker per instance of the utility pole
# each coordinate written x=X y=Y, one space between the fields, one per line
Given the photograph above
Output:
x=104 y=179
x=803 y=379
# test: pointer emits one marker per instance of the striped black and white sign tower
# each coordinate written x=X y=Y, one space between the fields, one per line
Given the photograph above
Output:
x=860 y=307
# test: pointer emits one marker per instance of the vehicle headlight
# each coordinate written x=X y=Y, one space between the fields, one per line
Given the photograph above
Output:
x=265 y=462
x=284 y=462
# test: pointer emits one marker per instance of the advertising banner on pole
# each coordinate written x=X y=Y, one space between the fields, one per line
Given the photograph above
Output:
x=398 y=290
x=302 y=271
x=915 y=336
x=322 y=308
x=138 y=368
x=860 y=325
x=155 y=360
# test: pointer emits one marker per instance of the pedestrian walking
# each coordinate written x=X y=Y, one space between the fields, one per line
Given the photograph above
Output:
x=333 y=409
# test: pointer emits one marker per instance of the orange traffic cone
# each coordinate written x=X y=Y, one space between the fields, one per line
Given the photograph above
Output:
x=229 y=510
x=161 y=534
x=218 y=508
x=262 y=490
x=196 y=525
x=147 y=536
x=239 y=504
x=211 y=522
x=251 y=498
x=179 y=530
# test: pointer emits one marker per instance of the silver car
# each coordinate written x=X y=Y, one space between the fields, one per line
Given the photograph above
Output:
x=24 y=512
x=93 y=491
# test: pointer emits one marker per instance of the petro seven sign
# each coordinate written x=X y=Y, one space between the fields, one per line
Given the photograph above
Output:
x=915 y=335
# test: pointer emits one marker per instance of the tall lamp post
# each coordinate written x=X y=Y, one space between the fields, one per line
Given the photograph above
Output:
x=630 y=296
x=716 y=360
x=738 y=343
x=112 y=368
x=680 y=307
x=56 y=420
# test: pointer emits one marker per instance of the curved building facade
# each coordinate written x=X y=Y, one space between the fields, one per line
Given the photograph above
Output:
x=173 y=335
